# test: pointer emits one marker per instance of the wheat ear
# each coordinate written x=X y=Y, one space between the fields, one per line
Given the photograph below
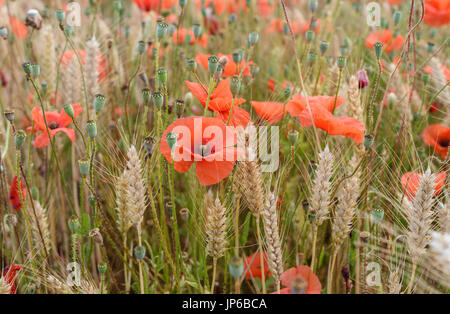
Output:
x=91 y=70
x=40 y=221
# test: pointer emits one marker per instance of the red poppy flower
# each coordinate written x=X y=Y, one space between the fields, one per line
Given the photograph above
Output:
x=14 y=196
x=220 y=101
x=9 y=275
x=437 y=12
x=102 y=64
x=437 y=136
x=19 y=29
x=271 y=84
x=386 y=38
x=324 y=119
x=253 y=265
x=395 y=2
x=230 y=68
x=278 y=26
x=306 y=278
x=270 y=111
x=56 y=122
x=154 y=5
x=202 y=41
x=411 y=181
x=215 y=155
x=265 y=7
x=298 y=103
x=235 y=6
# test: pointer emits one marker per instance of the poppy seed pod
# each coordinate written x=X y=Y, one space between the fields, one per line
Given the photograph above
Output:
x=378 y=47
x=117 y=5
x=309 y=35
x=96 y=235
x=253 y=38
x=171 y=138
x=430 y=47
x=44 y=87
x=84 y=166
x=149 y=145
x=397 y=17
x=91 y=128
x=364 y=236
x=298 y=285
x=235 y=85
x=377 y=215
x=161 y=30
x=26 y=66
x=3 y=32
x=141 y=46
x=99 y=102
x=9 y=115
x=188 y=99
x=213 y=63
x=341 y=62
x=162 y=76
x=35 y=70
x=293 y=137
x=197 y=30
x=68 y=30
x=311 y=57
x=102 y=268
x=343 y=49
x=368 y=141
x=313 y=5
x=33 y=19
x=323 y=46
x=68 y=109
x=184 y=214
x=19 y=138
x=232 y=18
x=426 y=78
x=146 y=95
x=139 y=252
x=236 y=267
x=179 y=107
x=158 y=99
x=60 y=15
x=182 y=3
x=236 y=56
x=191 y=65
x=74 y=224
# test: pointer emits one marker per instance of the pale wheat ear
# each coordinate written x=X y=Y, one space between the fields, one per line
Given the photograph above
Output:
x=40 y=226
x=215 y=229
x=439 y=81
x=122 y=209
x=91 y=71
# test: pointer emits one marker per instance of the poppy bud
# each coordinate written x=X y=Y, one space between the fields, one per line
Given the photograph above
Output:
x=99 y=102
x=253 y=38
x=363 y=79
x=74 y=224
x=377 y=215
x=341 y=62
x=68 y=109
x=293 y=137
x=191 y=65
x=139 y=252
x=235 y=85
x=3 y=32
x=197 y=30
x=34 y=193
x=26 y=66
x=188 y=99
x=96 y=235
x=171 y=138
x=323 y=47
x=33 y=19
x=397 y=17
x=309 y=35
x=287 y=93
x=213 y=63
x=149 y=143
x=313 y=5
x=91 y=128
x=378 y=47
x=102 y=268
x=158 y=99
x=141 y=46
x=35 y=70
x=162 y=76
x=236 y=267
x=298 y=285
x=19 y=138
x=9 y=115
x=368 y=141
x=84 y=166
x=426 y=78
x=179 y=107
x=161 y=30
x=60 y=15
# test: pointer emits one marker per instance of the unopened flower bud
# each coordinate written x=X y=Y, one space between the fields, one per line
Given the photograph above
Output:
x=68 y=109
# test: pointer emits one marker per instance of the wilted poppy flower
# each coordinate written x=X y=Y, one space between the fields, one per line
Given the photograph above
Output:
x=220 y=101
x=298 y=103
x=386 y=37
x=363 y=79
x=179 y=37
x=102 y=64
x=411 y=181
x=19 y=29
x=3 y=80
x=56 y=122
x=154 y=5
x=206 y=141
x=324 y=119
x=14 y=197
x=437 y=12
x=230 y=68
x=253 y=265
x=9 y=275
x=211 y=22
x=271 y=111
x=437 y=136
x=300 y=280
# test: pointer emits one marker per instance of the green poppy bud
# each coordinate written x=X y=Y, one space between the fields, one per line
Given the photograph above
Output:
x=162 y=76
x=91 y=128
x=213 y=63
x=378 y=47
x=68 y=109
x=34 y=193
x=102 y=268
x=99 y=102
x=158 y=99
x=84 y=166
x=171 y=138
x=74 y=224
x=19 y=138
x=139 y=252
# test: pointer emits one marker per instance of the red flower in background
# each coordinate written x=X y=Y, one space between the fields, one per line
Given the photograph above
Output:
x=411 y=181
x=437 y=136
x=19 y=29
x=395 y=2
x=300 y=279
x=220 y=101
x=56 y=122
x=3 y=79
x=154 y=5
x=271 y=111
x=252 y=263
x=214 y=155
x=14 y=196
x=278 y=26
x=437 y=12
x=298 y=103
x=386 y=37
x=180 y=37
x=9 y=275
x=102 y=64
x=230 y=68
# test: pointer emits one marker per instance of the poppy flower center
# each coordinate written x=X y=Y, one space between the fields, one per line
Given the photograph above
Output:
x=206 y=150
x=444 y=142
x=53 y=125
x=298 y=285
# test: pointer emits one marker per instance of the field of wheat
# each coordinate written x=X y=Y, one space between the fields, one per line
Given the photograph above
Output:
x=224 y=146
